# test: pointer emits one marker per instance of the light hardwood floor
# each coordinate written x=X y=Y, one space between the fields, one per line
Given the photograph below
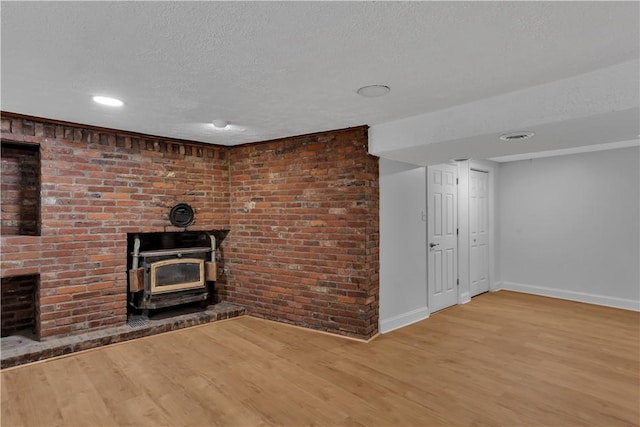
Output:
x=503 y=359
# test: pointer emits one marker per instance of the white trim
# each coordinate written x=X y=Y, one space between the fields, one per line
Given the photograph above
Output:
x=625 y=304
x=565 y=151
x=463 y=232
x=403 y=320
x=495 y=286
x=464 y=298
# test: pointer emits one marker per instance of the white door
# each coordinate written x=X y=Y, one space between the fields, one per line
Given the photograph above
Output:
x=479 y=231
x=442 y=239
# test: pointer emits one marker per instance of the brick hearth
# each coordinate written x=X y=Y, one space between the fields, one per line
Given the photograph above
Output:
x=18 y=350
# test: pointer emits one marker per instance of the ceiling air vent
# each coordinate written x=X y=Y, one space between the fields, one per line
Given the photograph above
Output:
x=516 y=136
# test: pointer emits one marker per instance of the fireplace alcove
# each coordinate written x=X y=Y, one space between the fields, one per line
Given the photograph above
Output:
x=172 y=269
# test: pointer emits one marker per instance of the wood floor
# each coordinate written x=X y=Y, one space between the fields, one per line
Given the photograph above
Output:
x=503 y=359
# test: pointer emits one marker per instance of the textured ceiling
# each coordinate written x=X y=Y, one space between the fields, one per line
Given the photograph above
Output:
x=279 y=69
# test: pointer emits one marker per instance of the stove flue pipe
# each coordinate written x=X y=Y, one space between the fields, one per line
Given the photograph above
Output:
x=213 y=246
x=136 y=252
x=211 y=274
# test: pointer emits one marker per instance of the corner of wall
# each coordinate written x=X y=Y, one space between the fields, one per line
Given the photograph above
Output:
x=402 y=320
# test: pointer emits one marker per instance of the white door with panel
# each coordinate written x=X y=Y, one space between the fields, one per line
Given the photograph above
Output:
x=478 y=232
x=442 y=239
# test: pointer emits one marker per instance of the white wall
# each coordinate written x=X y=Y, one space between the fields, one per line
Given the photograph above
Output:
x=403 y=253
x=569 y=227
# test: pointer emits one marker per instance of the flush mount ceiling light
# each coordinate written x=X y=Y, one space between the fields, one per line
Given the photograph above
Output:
x=220 y=124
x=516 y=136
x=105 y=100
x=225 y=126
x=373 y=91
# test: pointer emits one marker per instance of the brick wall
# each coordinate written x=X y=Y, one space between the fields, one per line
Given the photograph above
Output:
x=304 y=240
x=98 y=185
x=302 y=214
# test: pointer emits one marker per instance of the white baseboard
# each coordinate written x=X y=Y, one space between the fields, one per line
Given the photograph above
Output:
x=464 y=298
x=626 y=304
x=404 y=319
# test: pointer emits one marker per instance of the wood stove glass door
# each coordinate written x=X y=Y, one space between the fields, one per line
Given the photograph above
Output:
x=177 y=274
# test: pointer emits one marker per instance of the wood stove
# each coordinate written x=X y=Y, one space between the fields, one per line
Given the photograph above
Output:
x=172 y=269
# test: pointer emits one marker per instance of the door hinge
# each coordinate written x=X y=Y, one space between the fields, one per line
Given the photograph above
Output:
x=457 y=231
x=456 y=181
x=458 y=282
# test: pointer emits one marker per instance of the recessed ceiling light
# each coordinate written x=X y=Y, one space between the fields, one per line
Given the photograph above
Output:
x=105 y=100
x=373 y=91
x=220 y=124
x=516 y=136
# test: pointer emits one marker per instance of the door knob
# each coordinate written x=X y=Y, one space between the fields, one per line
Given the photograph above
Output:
x=432 y=245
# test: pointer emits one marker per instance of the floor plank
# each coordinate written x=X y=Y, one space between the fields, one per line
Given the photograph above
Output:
x=503 y=359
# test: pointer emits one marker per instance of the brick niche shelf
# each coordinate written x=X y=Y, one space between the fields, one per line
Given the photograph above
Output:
x=19 y=305
x=20 y=195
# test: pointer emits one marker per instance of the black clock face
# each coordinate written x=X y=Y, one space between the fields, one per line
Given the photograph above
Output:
x=181 y=215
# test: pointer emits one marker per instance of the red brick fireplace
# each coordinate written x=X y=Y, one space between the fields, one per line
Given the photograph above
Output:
x=302 y=215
